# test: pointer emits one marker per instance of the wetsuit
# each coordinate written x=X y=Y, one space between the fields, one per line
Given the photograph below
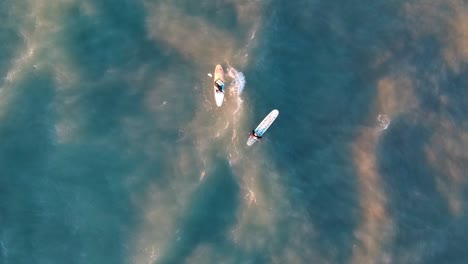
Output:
x=220 y=88
x=254 y=135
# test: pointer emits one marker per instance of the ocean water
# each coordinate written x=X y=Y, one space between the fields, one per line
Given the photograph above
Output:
x=113 y=151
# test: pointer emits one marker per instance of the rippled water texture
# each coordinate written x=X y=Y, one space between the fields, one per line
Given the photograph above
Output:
x=113 y=150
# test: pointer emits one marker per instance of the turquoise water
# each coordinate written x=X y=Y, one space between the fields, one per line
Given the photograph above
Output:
x=113 y=150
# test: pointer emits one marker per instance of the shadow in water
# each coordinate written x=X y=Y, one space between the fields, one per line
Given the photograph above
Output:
x=211 y=213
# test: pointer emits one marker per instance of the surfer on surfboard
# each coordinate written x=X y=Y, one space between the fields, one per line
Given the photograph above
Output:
x=219 y=84
x=254 y=134
x=258 y=132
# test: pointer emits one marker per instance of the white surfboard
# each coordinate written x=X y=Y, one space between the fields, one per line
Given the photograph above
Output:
x=262 y=127
x=219 y=85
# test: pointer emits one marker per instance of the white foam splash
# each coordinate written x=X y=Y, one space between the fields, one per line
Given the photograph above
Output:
x=153 y=254
x=236 y=86
x=234 y=136
x=250 y=197
x=227 y=126
x=202 y=175
x=238 y=80
x=382 y=122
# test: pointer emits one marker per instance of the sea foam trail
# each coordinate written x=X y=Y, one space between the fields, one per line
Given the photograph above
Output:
x=235 y=90
x=238 y=80
x=236 y=86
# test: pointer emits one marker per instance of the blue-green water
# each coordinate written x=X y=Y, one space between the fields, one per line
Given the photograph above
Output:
x=113 y=151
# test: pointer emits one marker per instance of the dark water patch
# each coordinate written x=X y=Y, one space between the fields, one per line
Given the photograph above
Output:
x=96 y=209
x=429 y=74
x=127 y=20
x=60 y=202
x=455 y=104
x=107 y=105
x=115 y=38
x=10 y=37
x=254 y=256
x=27 y=127
x=327 y=193
x=210 y=215
x=416 y=206
x=107 y=45
x=26 y=132
x=218 y=13
x=321 y=77
x=447 y=244
x=94 y=43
